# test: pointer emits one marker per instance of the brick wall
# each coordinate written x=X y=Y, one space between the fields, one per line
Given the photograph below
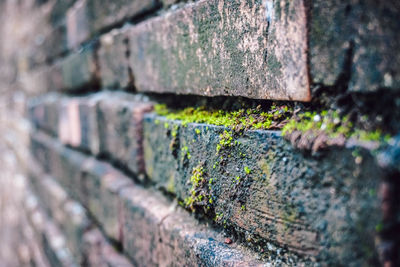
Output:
x=110 y=181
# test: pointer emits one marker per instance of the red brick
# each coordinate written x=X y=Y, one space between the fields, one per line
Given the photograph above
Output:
x=120 y=120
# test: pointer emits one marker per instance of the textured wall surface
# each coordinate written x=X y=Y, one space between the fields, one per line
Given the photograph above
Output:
x=93 y=176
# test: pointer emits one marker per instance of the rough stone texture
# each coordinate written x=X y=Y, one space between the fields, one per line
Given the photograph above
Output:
x=317 y=206
x=224 y=48
x=120 y=130
x=100 y=253
x=355 y=39
x=113 y=60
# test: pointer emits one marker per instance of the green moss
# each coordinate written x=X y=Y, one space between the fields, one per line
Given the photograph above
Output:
x=331 y=124
x=240 y=119
x=197 y=131
x=200 y=195
x=185 y=152
x=247 y=170
x=379 y=227
x=225 y=140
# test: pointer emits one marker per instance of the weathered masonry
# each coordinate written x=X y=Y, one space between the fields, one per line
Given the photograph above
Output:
x=212 y=132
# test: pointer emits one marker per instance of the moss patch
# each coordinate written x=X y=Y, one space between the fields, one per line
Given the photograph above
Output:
x=200 y=192
x=241 y=119
x=332 y=125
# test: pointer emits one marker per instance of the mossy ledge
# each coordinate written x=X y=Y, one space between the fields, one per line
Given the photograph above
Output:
x=242 y=119
x=313 y=130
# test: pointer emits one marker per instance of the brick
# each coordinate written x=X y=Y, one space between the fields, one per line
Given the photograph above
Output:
x=51 y=238
x=59 y=10
x=89 y=128
x=78 y=27
x=44 y=113
x=102 y=184
x=284 y=197
x=113 y=60
x=353 y=42
x=155 y=233
x=79 y=70
x=120 y=129
x=69 y=122
x=55 y=43
x=42 y=79
x=94 y=184
x=78 y=125
x=107 y=14
x=67 y=214
x=100 y=253
x=224 y=48
x=140 y=213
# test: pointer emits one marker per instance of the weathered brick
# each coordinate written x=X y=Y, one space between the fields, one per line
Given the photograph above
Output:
x=37 y=255
x=59 y=10
x=100 y=253
x=262 y=187
x=101 y=185
x=95 y=184
x=142 y=214
x=353 y=43
x=55 y=42
x=216 y=47
x=113 y=60
x=120 y=129
x=186 y=242
x=107 y=14
x=44 y=113
x=78 y=27
x=134 y=215
x=51 y=238
x=79 y=70
x=42 y=80
x=67 y=214
x=155 y=233
x=89 y=128
x=50 y=193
